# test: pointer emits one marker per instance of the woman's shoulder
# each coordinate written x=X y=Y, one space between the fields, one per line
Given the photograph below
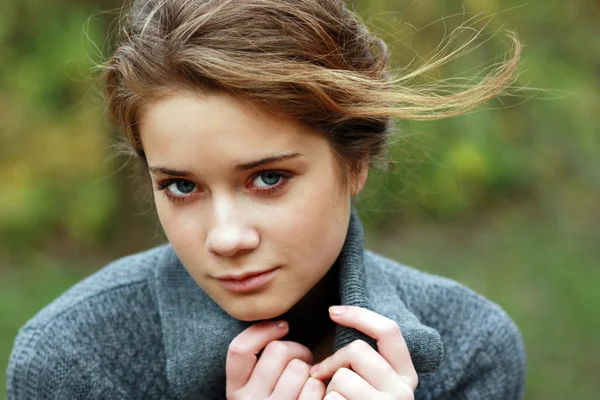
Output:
x=432 y=298
x=93 y=335
x=482 y=344
x=107 y=284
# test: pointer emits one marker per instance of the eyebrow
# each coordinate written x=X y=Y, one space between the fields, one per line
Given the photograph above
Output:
x=169 y=171
x=239 y=167
x=265 y=160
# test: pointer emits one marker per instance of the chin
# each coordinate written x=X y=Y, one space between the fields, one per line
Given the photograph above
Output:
x=253 y=315
x=254 y=312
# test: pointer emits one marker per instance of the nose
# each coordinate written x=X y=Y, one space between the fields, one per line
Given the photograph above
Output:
x=229 y=235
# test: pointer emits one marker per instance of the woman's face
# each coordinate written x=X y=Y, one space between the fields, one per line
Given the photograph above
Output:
x=238 y=191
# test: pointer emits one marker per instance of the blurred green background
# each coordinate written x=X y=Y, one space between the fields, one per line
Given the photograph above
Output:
x=504 y=200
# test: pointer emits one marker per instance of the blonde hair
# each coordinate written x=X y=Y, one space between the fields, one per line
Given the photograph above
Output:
x=313 y=60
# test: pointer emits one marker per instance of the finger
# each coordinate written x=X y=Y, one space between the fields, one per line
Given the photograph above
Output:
x=365 y=361
x=241 y=355
x=313 y=389
x=334 y=396
x=292 y=380
x=272 y=363
x=390 y=342
x=351 y=386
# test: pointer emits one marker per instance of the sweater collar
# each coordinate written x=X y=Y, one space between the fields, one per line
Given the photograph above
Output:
x=197 y=332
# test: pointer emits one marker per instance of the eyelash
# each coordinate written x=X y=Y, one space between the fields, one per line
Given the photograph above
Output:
x=267 y=191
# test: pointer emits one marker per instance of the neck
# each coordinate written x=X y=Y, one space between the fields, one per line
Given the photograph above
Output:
x=309 y=319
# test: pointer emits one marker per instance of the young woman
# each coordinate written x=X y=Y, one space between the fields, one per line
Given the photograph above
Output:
x=257 y=122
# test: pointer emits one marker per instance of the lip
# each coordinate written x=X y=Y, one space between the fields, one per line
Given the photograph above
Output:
x=239 y=277
x=247 y=281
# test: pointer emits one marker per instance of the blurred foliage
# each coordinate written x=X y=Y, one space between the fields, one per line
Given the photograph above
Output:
x=53 y=152
x=540 y=146
x=528 y=161
x=55 y=144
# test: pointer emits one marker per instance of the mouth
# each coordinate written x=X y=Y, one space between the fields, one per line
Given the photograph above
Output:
x=248 y=281
x=245 y=275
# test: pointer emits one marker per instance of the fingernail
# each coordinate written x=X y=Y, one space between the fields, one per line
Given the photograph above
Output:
x=314 y=369
x=282 y=325
x=337 y=310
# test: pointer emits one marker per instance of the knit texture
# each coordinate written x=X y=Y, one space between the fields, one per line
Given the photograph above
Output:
x=425 y=345
x=141 y=328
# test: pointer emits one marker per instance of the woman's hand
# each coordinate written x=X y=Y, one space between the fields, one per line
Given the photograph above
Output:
x=281 y=372
x=357 y=371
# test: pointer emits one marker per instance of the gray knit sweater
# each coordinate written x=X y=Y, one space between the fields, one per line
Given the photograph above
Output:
x=141 y=328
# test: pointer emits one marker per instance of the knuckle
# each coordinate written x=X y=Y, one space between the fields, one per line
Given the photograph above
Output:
x=358 y=346
x=340 y=379
x=405 y=393
x=298 y=366
x=391 y=329
x=315 y=388
x=341 y=375
x=315 y=383
x=237 y=395
x=411 y=382
x=236 y=349
x=277 y=348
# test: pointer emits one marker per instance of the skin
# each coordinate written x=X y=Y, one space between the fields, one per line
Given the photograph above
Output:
x=228 y=207
x=281 y=373
x=356 y=372
x=231 y=221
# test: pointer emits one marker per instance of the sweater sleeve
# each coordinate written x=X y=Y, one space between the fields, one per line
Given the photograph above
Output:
x=498 y=369
x=41 y=367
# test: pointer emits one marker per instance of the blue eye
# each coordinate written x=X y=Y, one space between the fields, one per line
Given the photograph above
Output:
x=266 y=179
x=181 y=188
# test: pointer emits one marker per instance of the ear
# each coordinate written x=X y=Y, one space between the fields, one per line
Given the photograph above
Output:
x=360 y=178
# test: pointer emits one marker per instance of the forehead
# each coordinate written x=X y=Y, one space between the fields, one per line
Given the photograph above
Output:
x=185 y=126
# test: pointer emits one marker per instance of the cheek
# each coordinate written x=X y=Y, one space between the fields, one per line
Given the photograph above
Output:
x=313 y=227
x=182 y=230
